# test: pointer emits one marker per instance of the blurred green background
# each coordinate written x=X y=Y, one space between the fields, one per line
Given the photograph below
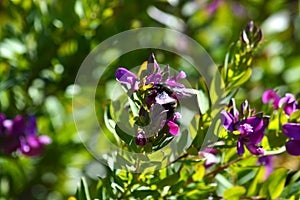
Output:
x=43 y=43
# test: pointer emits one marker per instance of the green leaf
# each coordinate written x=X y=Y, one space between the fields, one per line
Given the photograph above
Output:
x=124 y=136
x=199 y=172
x=276 y=139
x=234 y=193
x=223 y=184
x=293 y=186
x=176 y=187
x=256 y=183
x=143 y=194
x=295 y=115
x=293 y=189
x=83 y=191
x=182 y=141
x=192 y=151
x=203 y=101
x=274 y=185
x=240 y=79
x=169 y=180
x=194 y=194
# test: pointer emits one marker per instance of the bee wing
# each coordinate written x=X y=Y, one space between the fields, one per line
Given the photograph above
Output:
x=184 y=92
x=188 y=98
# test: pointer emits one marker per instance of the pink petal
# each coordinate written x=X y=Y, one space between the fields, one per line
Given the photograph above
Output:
x=174 y=128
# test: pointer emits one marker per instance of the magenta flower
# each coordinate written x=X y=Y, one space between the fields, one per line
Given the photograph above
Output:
x=251 y=128
x=32 y=145
x=271 y=95
x=19 y=134
x=173 y=128
x=292 y=130
x=289 y=103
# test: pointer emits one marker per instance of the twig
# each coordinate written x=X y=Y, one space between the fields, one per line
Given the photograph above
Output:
x=222 y=167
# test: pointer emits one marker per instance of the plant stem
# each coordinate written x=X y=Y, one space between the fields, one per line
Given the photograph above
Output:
x=222 y=167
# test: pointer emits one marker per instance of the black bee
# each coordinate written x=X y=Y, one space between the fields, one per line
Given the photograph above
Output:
x=170 y=106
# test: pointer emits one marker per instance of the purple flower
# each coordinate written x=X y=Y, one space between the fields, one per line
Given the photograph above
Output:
x=32 y=145
x=289 y=103
x=267 y=161
x=210 y=156
x=31 y=126
x=173 y=80
x=127 y=79
x=153 y=78
x=213 y=6
x=15 y=126
x=271 y=95
x=229 y=119
x=292 y=130
x=252 y=131
x=251 y=128
x=157 y=96
x=19 y=134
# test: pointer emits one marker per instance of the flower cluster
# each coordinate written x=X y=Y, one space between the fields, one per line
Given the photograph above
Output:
x=250 y=126
x=157 y=95
x=289 y=105
x=19 y=135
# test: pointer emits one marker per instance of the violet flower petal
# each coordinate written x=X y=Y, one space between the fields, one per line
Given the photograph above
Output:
x=126 y=78
x=292 y=130
x=211 y=159
x=245 y=129
x=271 y=95
x=153 y=78
x=259 y=125
x=288 y=98
x=181 y=75
x=44 y=139
x=240 y=147
x=227 y=120
x=293 y=147
x=255 y=150
x=173 y=80
x=173 y=128
x=289 y=103
x=31 y=146
x=173 y=83
x=176 y=116
x=31 y=127
x=267 y=162
x=15 y=126
x=152 y=65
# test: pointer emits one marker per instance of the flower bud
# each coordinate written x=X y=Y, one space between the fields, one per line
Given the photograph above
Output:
x=141 y=138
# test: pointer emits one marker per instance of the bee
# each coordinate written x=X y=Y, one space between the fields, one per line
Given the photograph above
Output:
x=183 y=96
x=165 y=91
